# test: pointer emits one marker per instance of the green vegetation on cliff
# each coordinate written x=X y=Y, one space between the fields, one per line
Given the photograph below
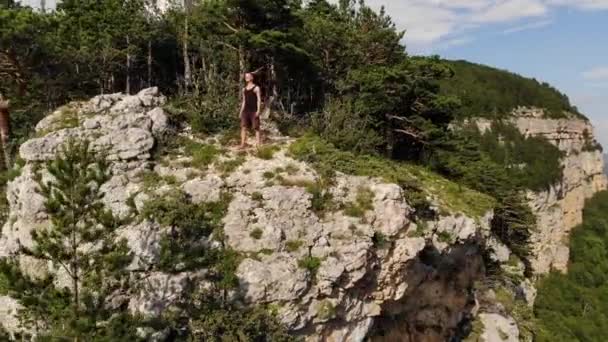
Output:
x=574 y=306
x=417 y=181
x=489 y=92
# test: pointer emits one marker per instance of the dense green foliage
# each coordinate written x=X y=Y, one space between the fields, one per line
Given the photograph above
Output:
x=503 y=163
x=574 y=306
x=417 y=181
x=184 y=248
x=531 y=162
x=493 y=93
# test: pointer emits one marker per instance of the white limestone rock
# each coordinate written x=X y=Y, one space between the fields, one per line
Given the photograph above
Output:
x=498 y=328
x=9 y=308
x=157 y=292
x=201 y=190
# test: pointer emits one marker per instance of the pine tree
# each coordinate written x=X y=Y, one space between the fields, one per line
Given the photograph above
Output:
x=81 y=238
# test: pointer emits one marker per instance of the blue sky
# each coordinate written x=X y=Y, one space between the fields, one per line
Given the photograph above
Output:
x=563 y=42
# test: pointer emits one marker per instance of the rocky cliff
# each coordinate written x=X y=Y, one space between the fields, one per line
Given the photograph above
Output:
x=341 y=276
x=560 y=208
x=367 y=266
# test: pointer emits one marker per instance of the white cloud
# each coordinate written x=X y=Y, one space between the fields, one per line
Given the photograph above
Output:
x=509 y=10
x=597 y=74
x=581 y=4
x=431 y=24
x=455 y=42
x=528 y=26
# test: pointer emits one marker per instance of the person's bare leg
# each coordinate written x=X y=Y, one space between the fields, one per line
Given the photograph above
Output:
x=243 y=137
x=258 y=138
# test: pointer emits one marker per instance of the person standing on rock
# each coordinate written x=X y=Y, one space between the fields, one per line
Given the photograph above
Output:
x=251 y=108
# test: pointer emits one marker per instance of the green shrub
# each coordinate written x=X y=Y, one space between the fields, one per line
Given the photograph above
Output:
x=341 y=125
x=291 y=169
x=293 y=245
x=353 y=210
x=418 y=183
x=326 y=310
x=257 y=196
x=256 y=233
x=206 y=113
x=183 y=248
x=268 y=175
x=321 y=201
x=445 y=237
x=202 y=154
x=363 y=203
x=311 y=264
x=226 y=167
x=267 y=152
x=380 y=240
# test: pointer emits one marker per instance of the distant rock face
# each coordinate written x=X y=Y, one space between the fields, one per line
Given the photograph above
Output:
x=560 y=208
x=362 y=267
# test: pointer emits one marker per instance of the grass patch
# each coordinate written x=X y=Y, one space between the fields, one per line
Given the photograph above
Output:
x=421 y=227
x=291 y=169
x=302 y=183
x=417 y=181
x=477 y=329
x=267 y=152
x=256 y=234
x=311 y=264
x=152 y=180
x=226 y=167
x=182 y=249
x=257 y=196
x=353 y=210
x=445 y=237
x=293 y=245
x=202 y=154
x=321 y=201
x=268 y=175
x=230 y=137
x=326 y=310
x=380 y=240
x=362 y=203
x=521 y=313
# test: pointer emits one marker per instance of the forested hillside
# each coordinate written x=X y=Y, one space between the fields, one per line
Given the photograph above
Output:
x=335 y=74
x=573 y=307
x=489 y=92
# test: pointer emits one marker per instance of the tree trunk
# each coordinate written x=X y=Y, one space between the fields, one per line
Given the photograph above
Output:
x=149 y=63
x=75 y=275
x=128 y=77
x=187 y=69
x=242 y=69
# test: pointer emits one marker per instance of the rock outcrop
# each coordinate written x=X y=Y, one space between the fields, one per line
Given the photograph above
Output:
x=362 y=268
x=559 y=209
x=377 y=272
